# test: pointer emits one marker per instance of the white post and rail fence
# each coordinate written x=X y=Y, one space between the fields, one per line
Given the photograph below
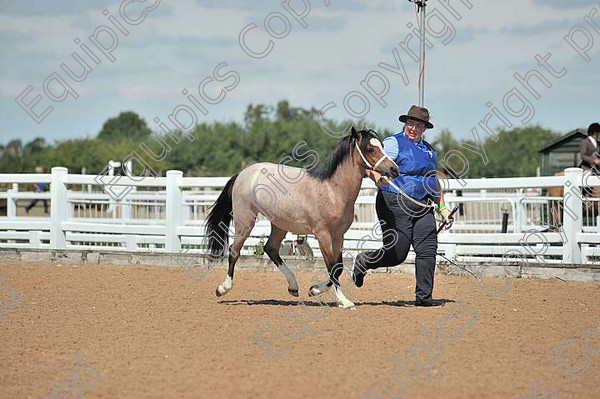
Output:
x=166 y=215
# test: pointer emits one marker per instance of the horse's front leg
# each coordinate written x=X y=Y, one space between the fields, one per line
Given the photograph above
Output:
x=336 y=272
x=331 y=248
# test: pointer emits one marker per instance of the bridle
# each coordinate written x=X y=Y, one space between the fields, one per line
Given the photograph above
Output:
x=380 y=160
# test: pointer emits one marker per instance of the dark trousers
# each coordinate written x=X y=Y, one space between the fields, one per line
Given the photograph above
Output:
x=35 y=201
x=405 y=223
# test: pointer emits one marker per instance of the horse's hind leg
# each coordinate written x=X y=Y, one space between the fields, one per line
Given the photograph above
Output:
x=272 y=250
x=243 y=228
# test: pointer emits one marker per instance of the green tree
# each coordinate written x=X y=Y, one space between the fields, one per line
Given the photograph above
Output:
x=128 y=125
x=268 y=133
x=35 y=146
x=257 y=114
x=515 y=153
x=444 y=142
x=14 y=147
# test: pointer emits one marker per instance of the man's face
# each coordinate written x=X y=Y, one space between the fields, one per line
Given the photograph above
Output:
x=414 y=130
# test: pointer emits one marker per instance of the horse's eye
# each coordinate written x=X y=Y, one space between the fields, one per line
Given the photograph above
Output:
x=370 y=150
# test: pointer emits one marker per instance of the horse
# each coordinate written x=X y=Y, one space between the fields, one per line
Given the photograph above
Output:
x=556 y=206
x=318 y=200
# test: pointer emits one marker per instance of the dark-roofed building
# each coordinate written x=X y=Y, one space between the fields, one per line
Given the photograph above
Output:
x=562 y=153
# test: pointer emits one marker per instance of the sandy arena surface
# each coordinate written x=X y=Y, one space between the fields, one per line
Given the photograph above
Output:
x=152 y=332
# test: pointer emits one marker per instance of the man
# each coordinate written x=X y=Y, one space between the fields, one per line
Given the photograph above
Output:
x=590 y=161
x=407 y=214
x=39 y=188
x=589 y=147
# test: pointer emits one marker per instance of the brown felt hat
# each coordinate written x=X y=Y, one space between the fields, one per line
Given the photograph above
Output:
x=419 y=114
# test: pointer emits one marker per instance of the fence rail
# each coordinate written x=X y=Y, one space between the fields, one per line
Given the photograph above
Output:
x=166 y=214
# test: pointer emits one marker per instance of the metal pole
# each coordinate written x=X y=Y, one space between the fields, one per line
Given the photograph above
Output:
x=421 y=7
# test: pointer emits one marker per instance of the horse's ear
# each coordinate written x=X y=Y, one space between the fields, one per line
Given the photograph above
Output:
x=353 y=133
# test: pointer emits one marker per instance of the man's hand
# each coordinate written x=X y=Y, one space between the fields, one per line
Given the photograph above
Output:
x=447 y=217
x=377 y=177
x=373 y=175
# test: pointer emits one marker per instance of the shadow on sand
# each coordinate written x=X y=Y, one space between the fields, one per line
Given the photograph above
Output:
x=278 y=302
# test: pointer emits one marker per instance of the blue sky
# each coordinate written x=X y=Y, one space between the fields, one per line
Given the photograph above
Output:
x=181 y=41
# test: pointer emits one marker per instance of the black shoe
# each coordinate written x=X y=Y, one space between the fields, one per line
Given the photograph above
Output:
x=358 y=271
x=430 y=303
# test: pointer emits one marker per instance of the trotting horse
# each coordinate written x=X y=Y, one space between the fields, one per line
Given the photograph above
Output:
x=317 y=201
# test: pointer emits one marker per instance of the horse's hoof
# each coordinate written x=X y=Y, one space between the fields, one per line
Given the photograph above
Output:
x=293 y=292
x=217 y=293
x=313 y=291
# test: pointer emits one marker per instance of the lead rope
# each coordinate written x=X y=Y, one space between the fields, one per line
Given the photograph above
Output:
x=421 y=204
x=455 y=264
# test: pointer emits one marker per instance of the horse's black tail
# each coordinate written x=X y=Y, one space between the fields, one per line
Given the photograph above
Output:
x=217 y=223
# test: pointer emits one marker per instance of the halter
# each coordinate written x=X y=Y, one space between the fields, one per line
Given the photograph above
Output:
x=369 y=166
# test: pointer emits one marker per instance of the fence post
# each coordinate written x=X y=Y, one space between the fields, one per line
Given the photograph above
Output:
x=34 y=239
x=572 y=215
x=520 y=217
x=174 y=210
x=126 y=206
x=131 y=242
x=58 y=207
x=11 y=202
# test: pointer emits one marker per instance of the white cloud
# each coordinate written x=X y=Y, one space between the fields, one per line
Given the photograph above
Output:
x=182 y=41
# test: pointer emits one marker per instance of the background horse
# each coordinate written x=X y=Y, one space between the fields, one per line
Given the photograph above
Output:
x=556 y=206
x=320 y=203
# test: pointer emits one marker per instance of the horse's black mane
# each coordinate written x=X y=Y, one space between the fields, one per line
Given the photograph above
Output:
x=326 y=170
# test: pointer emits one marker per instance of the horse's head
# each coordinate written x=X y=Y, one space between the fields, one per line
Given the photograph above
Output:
x=370 y=148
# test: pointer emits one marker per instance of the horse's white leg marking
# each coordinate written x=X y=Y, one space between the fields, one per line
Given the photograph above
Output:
x=342 y=301
x=291 y=279
x=224 y=288
x=319 y=288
